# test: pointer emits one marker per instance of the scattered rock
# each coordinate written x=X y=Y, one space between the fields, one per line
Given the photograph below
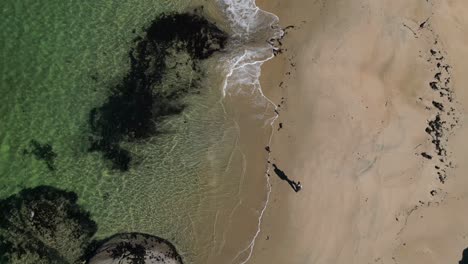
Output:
x=438 y=105
x=425 y=155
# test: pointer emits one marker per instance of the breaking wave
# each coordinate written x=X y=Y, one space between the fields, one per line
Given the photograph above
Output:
x=251 y=44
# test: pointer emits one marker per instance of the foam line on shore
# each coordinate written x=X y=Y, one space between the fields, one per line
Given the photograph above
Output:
x=260 y=218
x=248 y=23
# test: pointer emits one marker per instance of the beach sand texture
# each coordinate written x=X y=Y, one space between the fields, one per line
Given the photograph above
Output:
x=372 y=101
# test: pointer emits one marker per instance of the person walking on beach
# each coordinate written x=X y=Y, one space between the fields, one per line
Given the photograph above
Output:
x=295 y=186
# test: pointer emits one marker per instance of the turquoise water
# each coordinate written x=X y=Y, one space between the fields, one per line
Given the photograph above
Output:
x=58 y=61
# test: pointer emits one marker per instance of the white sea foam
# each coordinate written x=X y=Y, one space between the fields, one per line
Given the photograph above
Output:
x=252 y=33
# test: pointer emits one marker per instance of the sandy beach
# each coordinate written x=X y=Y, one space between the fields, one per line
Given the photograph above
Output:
x=372 y=108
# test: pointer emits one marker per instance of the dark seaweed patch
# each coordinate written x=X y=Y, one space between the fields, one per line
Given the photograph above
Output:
x=136 y=106
x=35 y=223
x=42 y=152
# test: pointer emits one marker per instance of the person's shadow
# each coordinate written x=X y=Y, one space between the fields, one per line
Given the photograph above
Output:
x=295 y=186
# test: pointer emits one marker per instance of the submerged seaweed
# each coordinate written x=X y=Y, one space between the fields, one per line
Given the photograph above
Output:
x=137 y=104
x=42 y=152
x=43 y=225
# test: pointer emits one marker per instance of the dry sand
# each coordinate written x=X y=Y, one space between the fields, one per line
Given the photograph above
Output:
x=357 y=101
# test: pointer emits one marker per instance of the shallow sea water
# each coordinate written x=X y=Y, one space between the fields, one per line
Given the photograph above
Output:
x=58 y=61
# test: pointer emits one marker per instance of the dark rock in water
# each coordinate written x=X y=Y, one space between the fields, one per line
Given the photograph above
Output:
x=137 y=104
x=43 y=152
x=43 y=225
x=135 y=248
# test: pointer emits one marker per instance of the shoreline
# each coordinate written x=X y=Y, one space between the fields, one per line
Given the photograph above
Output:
x=249 y=110
x=355 y=101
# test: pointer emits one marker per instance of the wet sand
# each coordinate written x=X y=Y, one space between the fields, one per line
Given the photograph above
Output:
x=373 y=110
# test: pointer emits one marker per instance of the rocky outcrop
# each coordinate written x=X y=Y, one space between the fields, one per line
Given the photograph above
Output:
x=135 y=248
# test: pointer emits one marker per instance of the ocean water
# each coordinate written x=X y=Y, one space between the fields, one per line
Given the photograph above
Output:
x=192 y=182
